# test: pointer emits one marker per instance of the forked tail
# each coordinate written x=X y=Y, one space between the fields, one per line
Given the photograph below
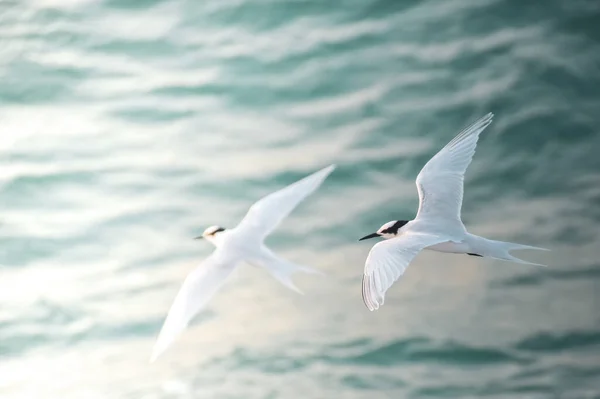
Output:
x=501 y=250
x=283 y=270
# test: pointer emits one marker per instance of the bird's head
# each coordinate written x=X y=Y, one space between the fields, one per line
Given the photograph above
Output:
x=388 y=230
x=211 y=233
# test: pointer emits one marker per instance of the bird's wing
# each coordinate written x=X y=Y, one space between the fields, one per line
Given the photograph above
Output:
x=388 y=260
x=440 y=182
x=266 y=214
x=197 y=289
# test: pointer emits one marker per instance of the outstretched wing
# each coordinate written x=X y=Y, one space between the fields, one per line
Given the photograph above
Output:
x=388 y=260
x=266 y=214
x=197 y=289
x=440 y=182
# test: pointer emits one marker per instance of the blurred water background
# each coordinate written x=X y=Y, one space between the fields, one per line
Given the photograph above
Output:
x=127 y=127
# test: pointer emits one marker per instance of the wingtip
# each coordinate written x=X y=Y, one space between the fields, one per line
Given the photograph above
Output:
x=488 y=118
x=482 y=122
x=371 y=303
x=330 y=168
x=373 y=306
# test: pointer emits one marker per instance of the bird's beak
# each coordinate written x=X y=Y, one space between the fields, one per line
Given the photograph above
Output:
x=369 y=236
x=199 y=238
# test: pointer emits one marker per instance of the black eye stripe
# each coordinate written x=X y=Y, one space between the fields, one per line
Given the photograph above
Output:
x=394 y=229
x=400 y=223
x=217 y=231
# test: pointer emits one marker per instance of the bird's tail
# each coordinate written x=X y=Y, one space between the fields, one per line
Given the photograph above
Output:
x=283 y=270
x=501 y=250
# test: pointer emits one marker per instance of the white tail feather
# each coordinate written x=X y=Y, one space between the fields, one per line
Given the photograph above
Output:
x=501 y=250
x=283 y=270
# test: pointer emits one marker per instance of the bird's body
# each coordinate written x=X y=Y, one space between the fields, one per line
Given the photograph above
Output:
x=242 y=244
x=437 y=226
x=451 y=247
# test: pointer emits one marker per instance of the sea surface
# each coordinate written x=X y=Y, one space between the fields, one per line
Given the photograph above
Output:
x=127 y=127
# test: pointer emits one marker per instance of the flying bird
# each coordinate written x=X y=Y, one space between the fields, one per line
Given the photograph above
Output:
x=437 y=225
x=244 y=243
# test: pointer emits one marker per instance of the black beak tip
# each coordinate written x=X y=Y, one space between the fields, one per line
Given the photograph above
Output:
x=369 y=236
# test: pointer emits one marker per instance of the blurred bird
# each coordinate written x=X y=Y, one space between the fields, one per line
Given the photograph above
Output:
x=437 y=226
x=245 y=242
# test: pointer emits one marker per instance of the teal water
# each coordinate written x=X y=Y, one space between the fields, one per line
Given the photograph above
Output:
x=127 y=127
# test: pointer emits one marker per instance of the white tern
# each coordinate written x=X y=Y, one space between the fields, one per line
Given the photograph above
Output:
x=244 y=243
x=437 y=225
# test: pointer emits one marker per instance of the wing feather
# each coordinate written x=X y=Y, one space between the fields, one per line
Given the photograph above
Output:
x=440 y=182
x=266 y=214
x=387 y=261
x=197 y=289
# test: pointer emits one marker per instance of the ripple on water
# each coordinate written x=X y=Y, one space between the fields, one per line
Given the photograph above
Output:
x=128 y=126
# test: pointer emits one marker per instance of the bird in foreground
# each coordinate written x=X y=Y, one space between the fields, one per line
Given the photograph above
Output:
x=437 y=226
x=244 y=243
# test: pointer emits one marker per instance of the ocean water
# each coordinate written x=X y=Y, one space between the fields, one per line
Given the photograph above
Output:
x=127 y=127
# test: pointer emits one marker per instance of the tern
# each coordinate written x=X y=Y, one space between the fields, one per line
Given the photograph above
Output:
x=244 y=243
x=437 y=225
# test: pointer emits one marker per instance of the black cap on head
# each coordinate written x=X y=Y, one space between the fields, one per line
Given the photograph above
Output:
x=390 y=228
x=211 y=231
